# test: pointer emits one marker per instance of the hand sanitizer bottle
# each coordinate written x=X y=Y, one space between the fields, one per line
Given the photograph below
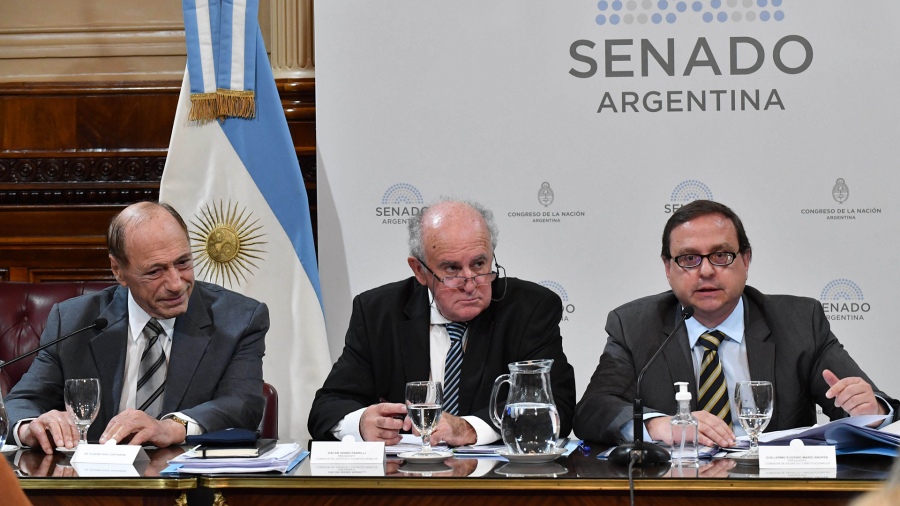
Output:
x=685 y=431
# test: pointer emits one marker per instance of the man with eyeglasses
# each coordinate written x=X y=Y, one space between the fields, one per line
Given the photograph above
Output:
x=736 y=334
x=401 y=332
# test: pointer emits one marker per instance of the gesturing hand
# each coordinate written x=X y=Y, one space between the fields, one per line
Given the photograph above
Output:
x=852 y=394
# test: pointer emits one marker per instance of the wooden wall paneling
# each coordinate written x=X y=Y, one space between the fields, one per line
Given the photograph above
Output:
x=36 y=123
x=46 y=243
x=72 y=155
x=120 y=121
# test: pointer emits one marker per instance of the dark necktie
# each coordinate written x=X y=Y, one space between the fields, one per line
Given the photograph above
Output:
x=152 y=375
x=453 y=367
x=712 y=390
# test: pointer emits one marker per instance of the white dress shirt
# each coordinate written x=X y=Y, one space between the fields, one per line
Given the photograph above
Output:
x=439 y=345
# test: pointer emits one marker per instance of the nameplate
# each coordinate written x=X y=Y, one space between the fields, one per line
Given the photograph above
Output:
x=108 y=454
x=328 y=452
x=344 y=469
x=91 y=470
x=797 y=456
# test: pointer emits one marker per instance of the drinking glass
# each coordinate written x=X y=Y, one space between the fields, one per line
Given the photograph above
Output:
x=423 y=405
x=755 y=401
x=82 y=403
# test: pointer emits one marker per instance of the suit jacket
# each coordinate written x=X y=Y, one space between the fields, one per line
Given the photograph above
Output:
x=789 y=343
x=387 y=345
x=214 y=373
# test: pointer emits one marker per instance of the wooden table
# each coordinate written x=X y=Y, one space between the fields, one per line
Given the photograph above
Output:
x=578 y=479
x=53 y=480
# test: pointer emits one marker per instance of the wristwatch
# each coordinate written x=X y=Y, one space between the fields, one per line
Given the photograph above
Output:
x=182 y=421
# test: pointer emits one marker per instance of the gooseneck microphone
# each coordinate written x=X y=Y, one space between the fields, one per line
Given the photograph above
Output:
x=640 y=453
x=99 y=324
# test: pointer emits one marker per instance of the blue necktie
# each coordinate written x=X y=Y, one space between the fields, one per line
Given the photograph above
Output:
x=453 y=367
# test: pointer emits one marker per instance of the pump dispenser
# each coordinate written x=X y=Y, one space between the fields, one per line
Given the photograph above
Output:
x=685 y=430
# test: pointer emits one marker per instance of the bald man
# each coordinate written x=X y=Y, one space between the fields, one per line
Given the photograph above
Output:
x=208 y=347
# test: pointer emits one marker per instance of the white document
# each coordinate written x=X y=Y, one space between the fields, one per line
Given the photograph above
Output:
x=797 y=456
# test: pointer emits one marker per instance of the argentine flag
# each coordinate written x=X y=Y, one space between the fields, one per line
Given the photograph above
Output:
x=237 y=183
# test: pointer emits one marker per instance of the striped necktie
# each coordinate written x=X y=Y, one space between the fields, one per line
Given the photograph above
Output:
x=712 y=390
x=152 y=375
x=453 y=367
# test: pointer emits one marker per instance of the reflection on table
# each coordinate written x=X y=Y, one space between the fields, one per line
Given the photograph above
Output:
x=578 y=478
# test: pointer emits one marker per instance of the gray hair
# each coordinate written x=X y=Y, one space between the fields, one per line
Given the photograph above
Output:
x=417 y=244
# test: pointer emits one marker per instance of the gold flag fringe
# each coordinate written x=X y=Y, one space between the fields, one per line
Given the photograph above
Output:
x=235 y=103
x=203 y=107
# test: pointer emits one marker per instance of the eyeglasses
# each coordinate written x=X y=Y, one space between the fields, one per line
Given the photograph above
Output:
x=719 y=259
x=460 y=281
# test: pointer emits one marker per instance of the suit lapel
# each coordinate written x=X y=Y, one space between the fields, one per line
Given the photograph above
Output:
x=677 y=353
x=760 y=351
x=108 y=347
x=415 y=336
x=190 y=338
x=478 y=343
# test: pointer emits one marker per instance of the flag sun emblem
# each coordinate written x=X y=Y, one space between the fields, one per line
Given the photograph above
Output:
x=226 y=242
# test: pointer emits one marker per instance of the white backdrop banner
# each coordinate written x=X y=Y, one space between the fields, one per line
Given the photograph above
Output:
x=583 y=125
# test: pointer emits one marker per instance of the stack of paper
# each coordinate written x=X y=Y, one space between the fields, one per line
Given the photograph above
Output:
x=848 y=435
x=282 y=458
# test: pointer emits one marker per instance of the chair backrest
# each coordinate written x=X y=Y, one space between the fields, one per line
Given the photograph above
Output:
x=24 y=308
x=268 y=427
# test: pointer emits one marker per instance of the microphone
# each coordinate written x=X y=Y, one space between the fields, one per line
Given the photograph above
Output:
x=645 y=453
x=99 y=324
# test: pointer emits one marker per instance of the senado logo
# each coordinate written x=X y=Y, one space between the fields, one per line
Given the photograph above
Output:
x=659 y=12
x=702 y=54
x=842 y=299
x=399 y=202
x=568 y=307
x=685 y=192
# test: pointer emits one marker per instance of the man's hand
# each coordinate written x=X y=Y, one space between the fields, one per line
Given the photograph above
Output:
x=51 y=429
x=713 y=430
x=47 y=465
x=383 y=422
x=454 y=431
x=138 y=427
x=853 y=395
x=717 y=468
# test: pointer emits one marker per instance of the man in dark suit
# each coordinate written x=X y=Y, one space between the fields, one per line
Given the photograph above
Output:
x=777 y=338
x=212 y=342
x=397 y=334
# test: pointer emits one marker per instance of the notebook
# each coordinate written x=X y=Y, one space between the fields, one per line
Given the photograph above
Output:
x=254 y=449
